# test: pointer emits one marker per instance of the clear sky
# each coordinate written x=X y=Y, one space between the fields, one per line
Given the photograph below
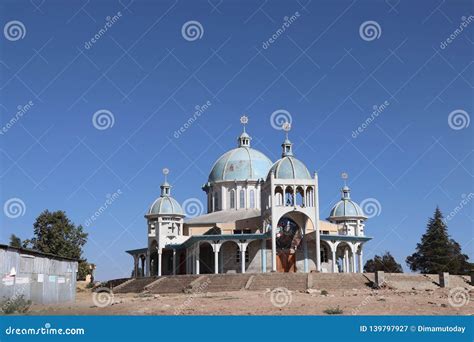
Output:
x=325 y=70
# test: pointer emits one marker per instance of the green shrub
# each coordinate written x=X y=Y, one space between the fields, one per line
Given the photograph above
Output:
x=324 y=293
x=333 y=311
x=16 y=304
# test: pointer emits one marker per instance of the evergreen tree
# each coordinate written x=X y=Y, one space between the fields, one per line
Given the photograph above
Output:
x=54 y=233
x=386 y=263
x=437 y=252
x=15 y=241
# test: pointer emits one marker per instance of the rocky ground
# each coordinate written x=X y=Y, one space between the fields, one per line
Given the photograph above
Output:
x=276 y=302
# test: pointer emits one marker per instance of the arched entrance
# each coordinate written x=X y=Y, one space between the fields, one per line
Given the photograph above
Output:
x=288 y=239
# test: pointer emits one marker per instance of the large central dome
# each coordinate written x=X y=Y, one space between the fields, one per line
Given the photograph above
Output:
x=241 y=163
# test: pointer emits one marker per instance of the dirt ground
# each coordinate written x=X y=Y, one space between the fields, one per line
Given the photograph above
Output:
x=354 y=302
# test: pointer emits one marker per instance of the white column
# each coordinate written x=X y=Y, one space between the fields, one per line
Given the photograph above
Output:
x=333 y=251
x=147 y=267
x=174 y=261
x=243 y=248
x=315 y=200
x=196 y=253
x=216 y=247
x=346 y=260
x=159 y=262
x=274 y=259
x=135 y=266
x=361 y=261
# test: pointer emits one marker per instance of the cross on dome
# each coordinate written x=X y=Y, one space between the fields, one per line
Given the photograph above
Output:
x=165 y=187
x=287 y=144
x=244 y=139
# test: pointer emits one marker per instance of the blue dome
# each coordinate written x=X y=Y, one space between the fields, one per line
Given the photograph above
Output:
x=289 y=167
x=241 y=163
x=166 y=205
x=346 y=207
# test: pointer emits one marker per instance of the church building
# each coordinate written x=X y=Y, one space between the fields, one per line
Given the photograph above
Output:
x=262 y=216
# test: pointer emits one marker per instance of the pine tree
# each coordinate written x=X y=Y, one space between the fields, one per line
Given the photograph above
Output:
x=386 y=263
x=15 y=241
x=437 y=252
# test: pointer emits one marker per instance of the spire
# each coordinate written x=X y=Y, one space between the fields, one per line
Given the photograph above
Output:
x=244 y=139
x=165 y=187
x=346 y=191
x=287 y=144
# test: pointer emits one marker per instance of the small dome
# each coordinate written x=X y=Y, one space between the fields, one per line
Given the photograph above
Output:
x=241 y=163
x=166 y=205
x=289 y=167
x=346 y=207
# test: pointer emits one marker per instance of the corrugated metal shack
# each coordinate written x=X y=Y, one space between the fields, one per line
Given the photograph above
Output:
x=42 y=278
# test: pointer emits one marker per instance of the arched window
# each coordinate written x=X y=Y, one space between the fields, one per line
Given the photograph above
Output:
x=279 y=196
x=216 y=201
x=242 y=198
x=232 y=199
x=252 y=199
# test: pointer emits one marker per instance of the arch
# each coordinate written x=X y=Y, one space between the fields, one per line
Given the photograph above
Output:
x=206 y=258
x=278 y=196
x=242 y=199
x=300 y=197
x=232 y=199
x=252 y=199
x=289 y=196
x=309 y=196
x=229 y=250
x=216 y=201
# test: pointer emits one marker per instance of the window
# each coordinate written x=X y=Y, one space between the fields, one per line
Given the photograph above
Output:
x=242 y=199
x=216 y=201
x=247 y=256
x=232 y=199
x=252 y=199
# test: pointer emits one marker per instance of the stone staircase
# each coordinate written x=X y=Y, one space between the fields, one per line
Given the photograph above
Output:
x=134 y=286
x=172 y=284
x=454 y=280
x=290 y=281
x=339 y=281
x=407 y=282
x=226 y=282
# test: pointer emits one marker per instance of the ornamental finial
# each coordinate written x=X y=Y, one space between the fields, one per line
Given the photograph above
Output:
x=166 y=172
x=244 y=120
x=345 y=177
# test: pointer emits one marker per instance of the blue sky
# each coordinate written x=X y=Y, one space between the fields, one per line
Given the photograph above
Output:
x=320 y=70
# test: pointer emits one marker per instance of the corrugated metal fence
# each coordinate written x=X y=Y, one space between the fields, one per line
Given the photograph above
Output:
x=39 y=278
